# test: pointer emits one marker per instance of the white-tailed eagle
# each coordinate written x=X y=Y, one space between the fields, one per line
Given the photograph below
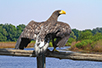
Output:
x=44 y=32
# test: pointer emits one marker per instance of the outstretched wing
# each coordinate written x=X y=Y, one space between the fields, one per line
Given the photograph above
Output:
x=63 y=41
x=29 y=33
x=31 y=30
x=64 y=33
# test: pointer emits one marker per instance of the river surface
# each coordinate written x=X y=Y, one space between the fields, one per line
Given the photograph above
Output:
x=30 y=62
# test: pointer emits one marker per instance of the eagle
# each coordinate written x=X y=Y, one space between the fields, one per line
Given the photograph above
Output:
x=44 y=32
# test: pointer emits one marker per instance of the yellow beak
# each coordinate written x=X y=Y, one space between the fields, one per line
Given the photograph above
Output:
x=62 y=12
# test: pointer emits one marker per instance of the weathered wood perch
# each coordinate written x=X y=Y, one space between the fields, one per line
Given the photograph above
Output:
x=60 y=55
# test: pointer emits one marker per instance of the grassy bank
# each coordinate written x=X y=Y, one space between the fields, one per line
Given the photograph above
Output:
x=12 y=44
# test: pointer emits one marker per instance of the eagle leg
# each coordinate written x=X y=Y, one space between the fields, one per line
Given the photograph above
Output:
x=55 y=43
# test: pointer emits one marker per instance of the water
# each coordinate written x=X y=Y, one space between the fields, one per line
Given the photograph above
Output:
x=30 y=62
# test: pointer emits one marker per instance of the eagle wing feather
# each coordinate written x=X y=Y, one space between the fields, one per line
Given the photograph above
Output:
x=30 y=32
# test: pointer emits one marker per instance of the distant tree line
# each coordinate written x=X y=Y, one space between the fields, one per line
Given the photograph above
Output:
x=87 y=34
x=9 y=32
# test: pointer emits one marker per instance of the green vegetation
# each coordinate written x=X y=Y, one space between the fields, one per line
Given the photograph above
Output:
x=9 y=32
x=88 y=40
x=83 y=43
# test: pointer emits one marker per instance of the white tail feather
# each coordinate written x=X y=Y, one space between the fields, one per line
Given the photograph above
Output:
x=40 y=47
x=41 y=50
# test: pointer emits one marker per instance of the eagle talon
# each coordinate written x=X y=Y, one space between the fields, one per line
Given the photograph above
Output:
x=55 y=50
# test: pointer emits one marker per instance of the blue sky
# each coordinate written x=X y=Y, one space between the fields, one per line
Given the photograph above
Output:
x=81 y=14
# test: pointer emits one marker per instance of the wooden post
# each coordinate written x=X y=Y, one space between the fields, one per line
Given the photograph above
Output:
x=41 y=61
